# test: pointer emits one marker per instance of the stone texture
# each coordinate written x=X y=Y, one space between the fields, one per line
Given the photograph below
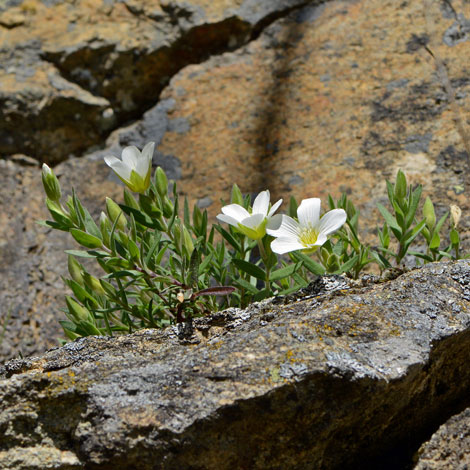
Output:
x=71 y=71
x=449 y=446
x=331 y=98
x=346 y=376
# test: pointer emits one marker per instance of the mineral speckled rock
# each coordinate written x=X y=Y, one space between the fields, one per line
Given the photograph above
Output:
x=449 y=447
x=332 y=98
x=71 y=71
x=346 y=377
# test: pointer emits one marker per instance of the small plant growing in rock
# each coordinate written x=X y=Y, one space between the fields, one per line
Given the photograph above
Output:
x=162 y=264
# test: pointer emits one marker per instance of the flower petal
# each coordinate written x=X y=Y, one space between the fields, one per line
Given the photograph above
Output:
x=144 y=164
x=253 y=221
x=309 y=212
x=285 y=244
x=261 y=203
x=274 y=222
x=332 y=221
x=288 y=228
x=236 y=211
x=321 y=239
x=274 y=208
x=130 y=156
x=227 y=219
x=121 y=169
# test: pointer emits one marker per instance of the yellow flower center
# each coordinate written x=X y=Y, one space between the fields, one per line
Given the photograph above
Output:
x=308 y=236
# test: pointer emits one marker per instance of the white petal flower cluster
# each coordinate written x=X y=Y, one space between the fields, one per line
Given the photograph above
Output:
x=307 y=234
x=134 y=168
x=253 y=224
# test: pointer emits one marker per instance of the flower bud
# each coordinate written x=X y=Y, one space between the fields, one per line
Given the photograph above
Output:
x=161 y=182
x=429 y=214
x=51 y=184
x=93 y=283
x=75 y=270
x=105 y=228
x=400 y=186
x=455 y=214
x=168 y=207
x=187 y=241
x=115 y=212
x=78 y=311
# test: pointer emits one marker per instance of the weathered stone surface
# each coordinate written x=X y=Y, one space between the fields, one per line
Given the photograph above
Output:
x=71 y=71
x=331 y=98
x=449 y=447
x=345 y=377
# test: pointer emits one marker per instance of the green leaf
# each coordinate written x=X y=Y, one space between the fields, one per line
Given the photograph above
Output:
x=454 y=237
x=155 y=243
x=415 y=198
x=391 y=221
x=292 y=207
x=284 y=272
x=80 y=293
x=237 y=196
x=311 y=265
x=58 y=214
x=142 y=218
x=85 y=239
x=250 y=269
x=133 y=249
x=193 y=269
x=229 y=238
x=435 y=241
x=51 y=224
x=346 y=267
x=246 y=285
x=441 y=222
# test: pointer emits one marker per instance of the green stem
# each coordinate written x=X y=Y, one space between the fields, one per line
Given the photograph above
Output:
x=265 y=259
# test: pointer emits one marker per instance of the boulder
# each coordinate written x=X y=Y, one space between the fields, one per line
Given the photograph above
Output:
x=72 y=71
x=449 y=446
x=341 y=375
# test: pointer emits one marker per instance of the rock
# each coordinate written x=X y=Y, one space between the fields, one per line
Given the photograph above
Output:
x=448 y=447
x=348 y=376
x=72 y=71
x=329 y=99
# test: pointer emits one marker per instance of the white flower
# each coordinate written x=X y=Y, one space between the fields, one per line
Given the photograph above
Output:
x=135 y=167
x=310 y=232
x=253 y=224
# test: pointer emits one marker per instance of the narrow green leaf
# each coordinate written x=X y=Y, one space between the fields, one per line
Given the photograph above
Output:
x=230 y=239
x=250 y=269
x=284 y=272
x=391 y=221
x=346 y=267
x=311 y=265
x=193 y=269
x=246 y=285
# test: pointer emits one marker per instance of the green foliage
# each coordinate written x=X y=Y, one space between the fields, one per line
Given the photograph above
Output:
x=161 y=263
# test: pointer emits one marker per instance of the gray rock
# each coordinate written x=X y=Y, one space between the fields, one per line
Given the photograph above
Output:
x=345 y=376
x=449 y=446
